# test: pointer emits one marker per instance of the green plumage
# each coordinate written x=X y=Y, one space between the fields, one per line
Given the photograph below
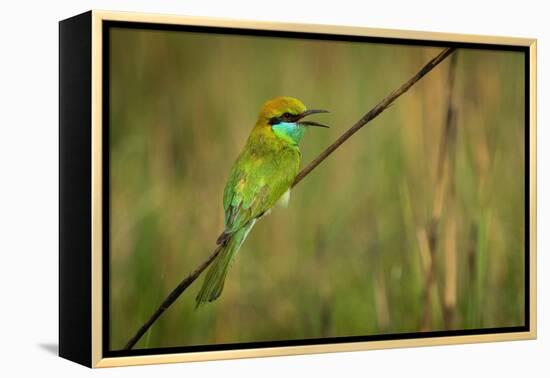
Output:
x=260 y=176
x=215 y=277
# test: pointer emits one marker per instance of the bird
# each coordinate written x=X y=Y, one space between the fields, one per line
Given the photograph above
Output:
x=260 y=178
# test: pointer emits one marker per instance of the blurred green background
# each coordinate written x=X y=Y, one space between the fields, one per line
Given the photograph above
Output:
x=404 y=228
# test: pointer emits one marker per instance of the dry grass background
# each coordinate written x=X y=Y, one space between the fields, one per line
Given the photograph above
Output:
x=351 y=254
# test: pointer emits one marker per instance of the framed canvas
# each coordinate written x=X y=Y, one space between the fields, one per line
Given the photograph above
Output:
x=235 y=189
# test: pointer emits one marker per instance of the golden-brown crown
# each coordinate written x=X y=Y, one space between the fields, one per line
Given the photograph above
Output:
x=279 y=105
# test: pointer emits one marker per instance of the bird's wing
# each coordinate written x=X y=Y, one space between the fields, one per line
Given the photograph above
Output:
x=254 y=186
x=245 y=198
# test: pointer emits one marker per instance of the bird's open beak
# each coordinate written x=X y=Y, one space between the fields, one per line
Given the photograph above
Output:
x=311 y=123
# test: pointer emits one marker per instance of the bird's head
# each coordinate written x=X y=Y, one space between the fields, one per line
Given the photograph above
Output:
x=284 y=116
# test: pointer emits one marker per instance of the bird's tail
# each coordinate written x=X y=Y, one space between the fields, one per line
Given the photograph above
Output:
x=212 y=285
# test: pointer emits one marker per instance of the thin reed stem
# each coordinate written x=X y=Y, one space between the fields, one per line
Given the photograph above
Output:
x=444 y=178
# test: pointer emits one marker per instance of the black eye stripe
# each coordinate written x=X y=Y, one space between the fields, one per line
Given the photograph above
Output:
x=285 y=117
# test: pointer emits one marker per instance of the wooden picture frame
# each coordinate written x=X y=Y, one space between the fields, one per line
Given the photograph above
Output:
x=84 y=266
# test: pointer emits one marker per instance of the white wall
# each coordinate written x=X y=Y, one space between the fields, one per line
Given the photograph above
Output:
x=28 y=200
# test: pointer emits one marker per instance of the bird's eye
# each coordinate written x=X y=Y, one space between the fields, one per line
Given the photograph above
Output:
x=287 y=115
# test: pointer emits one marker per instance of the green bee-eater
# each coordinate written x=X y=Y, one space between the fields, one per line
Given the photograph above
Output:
x=260 y=177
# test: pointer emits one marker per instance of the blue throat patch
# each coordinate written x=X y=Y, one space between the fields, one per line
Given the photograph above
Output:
x=289 y=131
